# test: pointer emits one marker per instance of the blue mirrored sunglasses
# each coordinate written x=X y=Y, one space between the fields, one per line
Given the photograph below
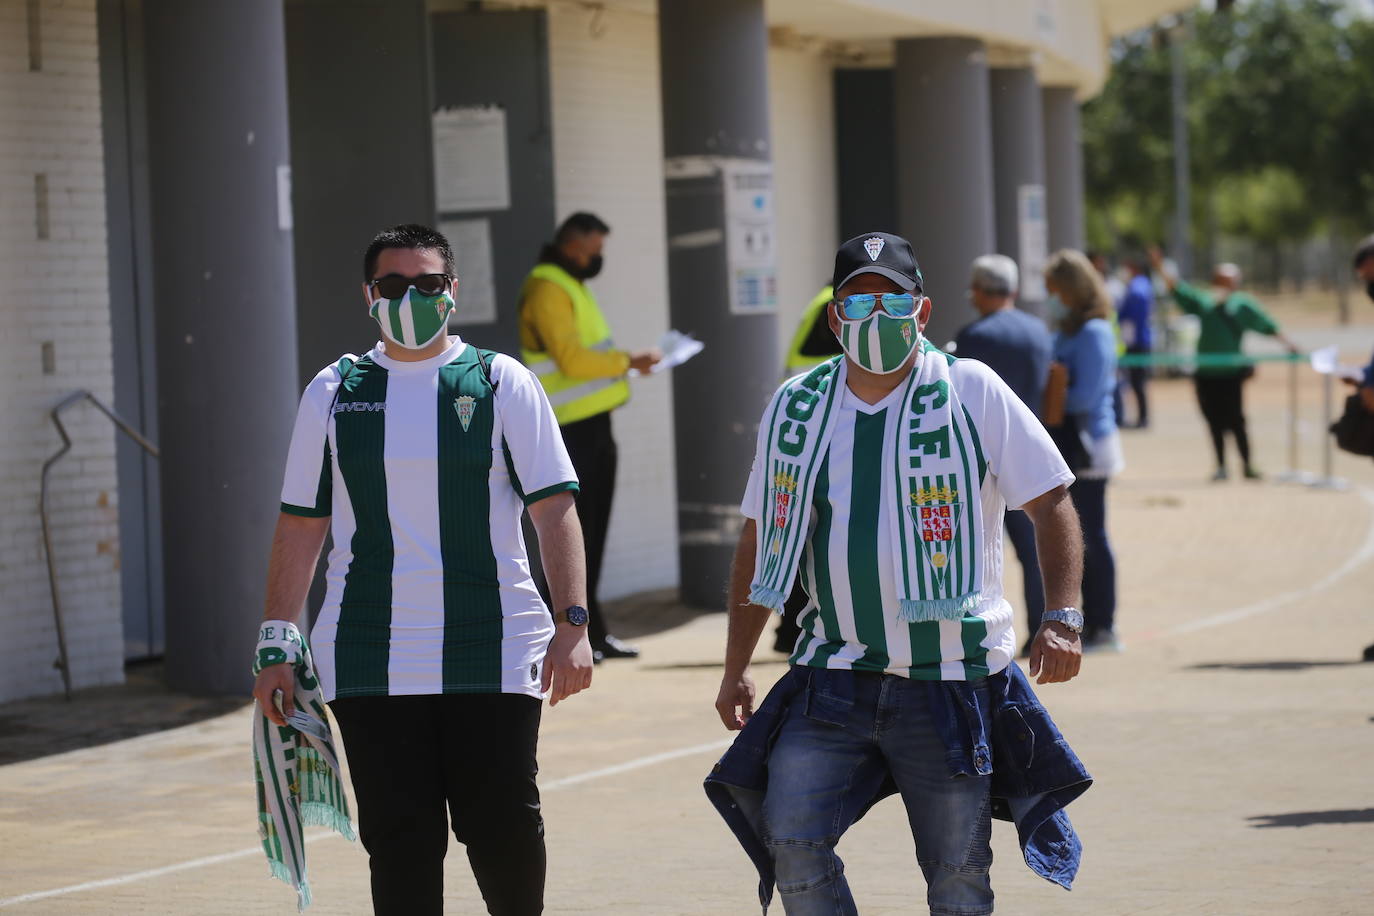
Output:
x=861 y=305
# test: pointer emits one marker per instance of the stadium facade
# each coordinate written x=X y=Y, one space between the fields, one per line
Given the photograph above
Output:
x=186 y=186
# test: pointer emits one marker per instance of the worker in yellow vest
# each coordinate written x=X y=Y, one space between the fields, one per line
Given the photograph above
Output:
x=812 y=343
x=566 y=342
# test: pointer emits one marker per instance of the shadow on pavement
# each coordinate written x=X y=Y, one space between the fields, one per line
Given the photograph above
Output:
x=1278 y=665
x=653 y=612
x=1308 y=818
x=690 y=666
x=143 y=704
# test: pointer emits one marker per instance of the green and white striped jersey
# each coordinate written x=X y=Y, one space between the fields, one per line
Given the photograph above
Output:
x=848 y=568
x=425 y=468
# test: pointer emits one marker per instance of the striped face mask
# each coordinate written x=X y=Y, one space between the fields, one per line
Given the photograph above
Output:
x=879 y=343
x=414 y=320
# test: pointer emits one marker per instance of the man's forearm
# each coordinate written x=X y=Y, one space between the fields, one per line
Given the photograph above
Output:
x=561 y=550
x=1059 y=545
x=296 y=547
x=746 y=621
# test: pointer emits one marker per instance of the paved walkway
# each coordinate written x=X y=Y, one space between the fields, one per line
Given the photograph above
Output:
x=1231 y=742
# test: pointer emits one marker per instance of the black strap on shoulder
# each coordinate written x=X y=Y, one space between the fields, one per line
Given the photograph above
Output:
x=484 y=357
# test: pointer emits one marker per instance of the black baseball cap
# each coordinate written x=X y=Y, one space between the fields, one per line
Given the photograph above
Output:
x=1364 y=250
x=879 y=253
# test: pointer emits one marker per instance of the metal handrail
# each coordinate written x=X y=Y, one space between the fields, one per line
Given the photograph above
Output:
x=63 y=664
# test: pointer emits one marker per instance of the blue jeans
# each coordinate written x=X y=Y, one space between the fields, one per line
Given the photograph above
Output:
x=836 y=746
x=1021 y=533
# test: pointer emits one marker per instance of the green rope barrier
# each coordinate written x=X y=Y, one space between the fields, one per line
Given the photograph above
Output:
x=1209 y=360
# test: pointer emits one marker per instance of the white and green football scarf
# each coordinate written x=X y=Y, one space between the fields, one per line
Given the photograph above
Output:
x=936 y=466
x=296 y=767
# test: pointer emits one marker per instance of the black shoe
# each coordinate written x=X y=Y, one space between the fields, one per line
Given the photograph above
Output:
x=610 y=647
x=1369 y=653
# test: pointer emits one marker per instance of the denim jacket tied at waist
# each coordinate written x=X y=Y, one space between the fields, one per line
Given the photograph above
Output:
x=1035 y=773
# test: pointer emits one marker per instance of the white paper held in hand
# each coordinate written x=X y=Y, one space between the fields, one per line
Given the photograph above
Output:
x=677 y=348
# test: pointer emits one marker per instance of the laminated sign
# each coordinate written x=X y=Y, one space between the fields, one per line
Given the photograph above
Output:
x=751 y=244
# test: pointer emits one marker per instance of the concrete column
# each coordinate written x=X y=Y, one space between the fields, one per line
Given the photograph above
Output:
x=1018 y=171
x=721 y=269
x=226 y=319
x=1063 y=168
x=944 y=168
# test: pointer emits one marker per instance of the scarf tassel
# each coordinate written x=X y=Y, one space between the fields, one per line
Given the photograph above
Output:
x=771 y=598
x=914 y=610
x=320 y=814
x=303 y=896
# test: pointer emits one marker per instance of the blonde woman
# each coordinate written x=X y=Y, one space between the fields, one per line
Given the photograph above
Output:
x=1086 y=346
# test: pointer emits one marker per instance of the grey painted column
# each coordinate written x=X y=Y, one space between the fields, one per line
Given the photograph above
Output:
x=944 y=168
x=722 y=283
x=226 y=320
x=1018 y=171
x=1063 y=168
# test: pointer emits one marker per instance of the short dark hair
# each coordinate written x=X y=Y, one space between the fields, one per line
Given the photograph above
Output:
x=409 y=236
x=1364 y=251
x=580 y=223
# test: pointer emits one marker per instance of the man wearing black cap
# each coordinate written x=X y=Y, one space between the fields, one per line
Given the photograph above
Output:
x=881 y=477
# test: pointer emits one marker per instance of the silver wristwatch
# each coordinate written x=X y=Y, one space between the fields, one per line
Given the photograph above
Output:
x=1070 y=617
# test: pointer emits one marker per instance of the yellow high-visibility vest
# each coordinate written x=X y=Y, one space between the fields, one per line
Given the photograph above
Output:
x=576 y=399
x=796 y=362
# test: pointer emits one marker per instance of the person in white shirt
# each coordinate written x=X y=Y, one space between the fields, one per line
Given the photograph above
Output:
x=433 y=646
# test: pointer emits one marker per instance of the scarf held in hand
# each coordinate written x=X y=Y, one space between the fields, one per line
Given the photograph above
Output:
x=296 y=768
x=934 y=467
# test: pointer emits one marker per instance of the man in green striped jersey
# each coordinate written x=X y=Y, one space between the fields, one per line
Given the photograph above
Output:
x=881 y=478
x=433 y=647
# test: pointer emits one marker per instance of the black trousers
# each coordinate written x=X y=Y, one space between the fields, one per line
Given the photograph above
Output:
x=1219 y=396
x=419 y=761
x=593 y=454
x=1136 y=377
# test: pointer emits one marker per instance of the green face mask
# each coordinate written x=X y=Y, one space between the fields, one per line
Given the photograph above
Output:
x=413 y=321
x=879 y=343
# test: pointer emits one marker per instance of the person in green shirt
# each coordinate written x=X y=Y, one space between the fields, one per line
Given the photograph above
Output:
x=1225 y=314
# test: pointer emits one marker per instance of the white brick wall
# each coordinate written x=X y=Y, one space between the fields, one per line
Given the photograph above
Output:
x=802 y=123
x=608 y=158
x=55 y=290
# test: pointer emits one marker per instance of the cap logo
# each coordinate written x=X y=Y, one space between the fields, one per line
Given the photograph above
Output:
x=874 y=247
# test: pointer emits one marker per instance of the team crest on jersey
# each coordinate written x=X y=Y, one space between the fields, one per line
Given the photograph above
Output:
x=465 y=405
x=874 y=247
x=936 y=511
x=784 y=500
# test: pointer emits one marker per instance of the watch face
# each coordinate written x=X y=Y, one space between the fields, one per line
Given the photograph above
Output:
x=577 y=616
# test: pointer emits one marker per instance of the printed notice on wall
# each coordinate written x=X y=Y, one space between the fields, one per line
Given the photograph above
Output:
x=471 y=241
x=1033 y=228
x=471 y=171
x=750 y=243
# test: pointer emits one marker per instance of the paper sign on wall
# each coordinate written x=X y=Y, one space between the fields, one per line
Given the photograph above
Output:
x=1033 y=230
x=471 y=170
x=751 y=252
x=471 y=241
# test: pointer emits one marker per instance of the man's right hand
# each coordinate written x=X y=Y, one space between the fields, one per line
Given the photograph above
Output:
x=735 y=702
x=271 y=679
x=644 y=360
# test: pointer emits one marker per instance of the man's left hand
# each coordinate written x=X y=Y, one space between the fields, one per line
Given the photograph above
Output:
x=568 y=663
x=1056 y=653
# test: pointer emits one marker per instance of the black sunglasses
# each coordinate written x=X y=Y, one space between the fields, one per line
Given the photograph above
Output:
x=394 y=286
